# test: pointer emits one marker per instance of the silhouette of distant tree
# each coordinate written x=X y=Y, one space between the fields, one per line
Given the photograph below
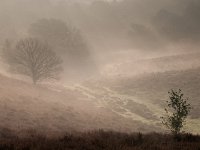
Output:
x=33 y=58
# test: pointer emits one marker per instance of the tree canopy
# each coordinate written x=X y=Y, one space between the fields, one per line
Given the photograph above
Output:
x=33 y=58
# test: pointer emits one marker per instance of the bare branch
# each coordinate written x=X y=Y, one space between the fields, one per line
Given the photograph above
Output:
x=33 y=58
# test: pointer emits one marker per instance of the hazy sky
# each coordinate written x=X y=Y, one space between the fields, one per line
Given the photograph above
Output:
x=139 y=24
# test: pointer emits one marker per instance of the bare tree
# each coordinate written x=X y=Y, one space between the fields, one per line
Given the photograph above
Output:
x=33 y=58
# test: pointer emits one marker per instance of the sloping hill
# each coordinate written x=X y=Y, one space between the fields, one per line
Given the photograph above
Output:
x=152 y=65
x=49 y=108
x=123 y=103
x=144 y=97
x=154 y=86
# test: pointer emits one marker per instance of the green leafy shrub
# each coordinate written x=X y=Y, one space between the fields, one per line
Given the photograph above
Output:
x=177 y=112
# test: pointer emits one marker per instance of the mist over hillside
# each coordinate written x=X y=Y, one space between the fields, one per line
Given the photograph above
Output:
x=97 y=64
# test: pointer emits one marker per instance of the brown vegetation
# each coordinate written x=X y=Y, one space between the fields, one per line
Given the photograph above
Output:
x=101 y=140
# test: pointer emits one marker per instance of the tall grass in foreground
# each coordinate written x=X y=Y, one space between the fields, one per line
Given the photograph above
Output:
x=102 y=140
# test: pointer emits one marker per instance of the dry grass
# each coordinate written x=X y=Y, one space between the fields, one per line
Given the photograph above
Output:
x=101 y=140
x=54 y=108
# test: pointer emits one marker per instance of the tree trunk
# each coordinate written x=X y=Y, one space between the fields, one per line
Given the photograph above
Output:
x=34 y=79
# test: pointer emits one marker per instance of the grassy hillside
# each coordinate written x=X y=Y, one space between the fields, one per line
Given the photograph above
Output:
x=130 y=67
x=144 y=97
x=56 y=109
x=153 y=87
x=42 y=116
x=123 y=103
